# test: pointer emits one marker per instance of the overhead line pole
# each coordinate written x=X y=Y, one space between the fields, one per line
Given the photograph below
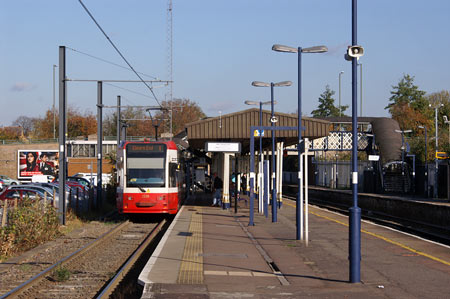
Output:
x=99 y=142
x=62 y=135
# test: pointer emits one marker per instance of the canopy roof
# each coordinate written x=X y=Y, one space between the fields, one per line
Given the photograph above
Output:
x=235 y=127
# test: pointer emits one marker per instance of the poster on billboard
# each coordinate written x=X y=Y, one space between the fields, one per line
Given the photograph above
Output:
x=37 y=162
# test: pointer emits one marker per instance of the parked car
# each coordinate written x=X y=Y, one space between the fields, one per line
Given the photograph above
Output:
x=8 y=181
x=37 y=187
x=20 y=193
x=79 y=180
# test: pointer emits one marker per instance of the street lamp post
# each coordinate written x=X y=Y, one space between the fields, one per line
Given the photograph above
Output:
x=260 y=103
x=340 y=109
x=299 y=51
x=272 y=120
x=425 y=160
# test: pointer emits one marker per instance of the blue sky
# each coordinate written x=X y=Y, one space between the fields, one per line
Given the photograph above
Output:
x=219 y=48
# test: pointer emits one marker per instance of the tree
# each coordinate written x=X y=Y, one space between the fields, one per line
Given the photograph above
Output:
x=326 y=107
x=10 y=133
x=184 y=111
x=26 y=123
x=406 y=93
x=409 y=106
x=78 y=124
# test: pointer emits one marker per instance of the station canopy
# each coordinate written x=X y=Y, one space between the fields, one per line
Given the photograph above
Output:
x=235 y=127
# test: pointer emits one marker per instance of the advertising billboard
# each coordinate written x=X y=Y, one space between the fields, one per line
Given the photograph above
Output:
x=37 y=162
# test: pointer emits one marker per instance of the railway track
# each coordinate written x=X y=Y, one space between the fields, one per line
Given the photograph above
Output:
x=422 y=229
x=94 y=270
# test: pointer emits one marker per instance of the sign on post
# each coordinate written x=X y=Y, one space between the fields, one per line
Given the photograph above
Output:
x=223 y=147
x=441 y=155
x=258 y=133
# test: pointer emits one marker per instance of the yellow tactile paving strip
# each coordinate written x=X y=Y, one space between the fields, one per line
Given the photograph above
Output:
x=191 y=268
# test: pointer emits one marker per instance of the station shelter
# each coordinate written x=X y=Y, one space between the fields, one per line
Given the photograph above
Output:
x=235 y=128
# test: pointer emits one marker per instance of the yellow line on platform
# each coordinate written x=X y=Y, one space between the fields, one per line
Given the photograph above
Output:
x=383 y=238
x=191 y=268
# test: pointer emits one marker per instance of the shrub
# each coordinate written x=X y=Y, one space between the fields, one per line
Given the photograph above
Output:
x=29 y=225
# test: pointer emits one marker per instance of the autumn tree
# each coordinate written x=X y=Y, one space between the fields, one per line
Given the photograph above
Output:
x=184 y=111
x=10 y=133
x=326 y=106
x=26 y=123
x=139 y=123
x=78 y=124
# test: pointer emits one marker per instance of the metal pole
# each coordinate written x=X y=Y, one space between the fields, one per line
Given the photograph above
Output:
x=355 y=211
x=361 y=88
x=62 y=135
x=299 y=203
x=403 y=162
x=436 y=165
x=426 y=163
x=274 y=187
x=54 y=109
x=118 y=133
x=118 y=122
x=340 y=107
x=252 y=178
x=99 y=141
x=266 y=188
x=235 y=183
x=260 y=176
x=306 y=194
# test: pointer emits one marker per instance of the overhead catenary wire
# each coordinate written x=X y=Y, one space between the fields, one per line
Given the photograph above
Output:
x=109 y=62
x=117 y=50
x=129 y=90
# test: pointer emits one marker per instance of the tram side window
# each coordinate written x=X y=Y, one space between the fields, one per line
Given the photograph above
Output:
x=172 y=174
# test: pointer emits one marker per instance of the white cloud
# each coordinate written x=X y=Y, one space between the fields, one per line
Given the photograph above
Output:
x=22 y=86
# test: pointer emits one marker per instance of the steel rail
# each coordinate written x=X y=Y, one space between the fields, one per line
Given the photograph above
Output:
x=34 y=280
x=123 y=271
x=424 y=230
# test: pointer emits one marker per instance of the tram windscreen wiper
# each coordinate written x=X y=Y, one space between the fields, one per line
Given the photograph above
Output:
x=142 y=189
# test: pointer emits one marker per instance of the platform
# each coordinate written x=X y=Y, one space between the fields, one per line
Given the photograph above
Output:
x=209 y=252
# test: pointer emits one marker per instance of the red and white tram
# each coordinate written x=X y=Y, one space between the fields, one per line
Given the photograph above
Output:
x=150 y=178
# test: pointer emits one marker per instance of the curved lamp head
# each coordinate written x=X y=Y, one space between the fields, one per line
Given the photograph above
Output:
x=260 y=84
x=315 y=49
x=248 y=102
x=283 y=83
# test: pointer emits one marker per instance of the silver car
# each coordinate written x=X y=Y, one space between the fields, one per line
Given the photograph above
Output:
x=7 y=181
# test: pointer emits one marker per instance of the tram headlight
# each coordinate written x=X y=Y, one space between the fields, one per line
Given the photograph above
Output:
x=130 y=198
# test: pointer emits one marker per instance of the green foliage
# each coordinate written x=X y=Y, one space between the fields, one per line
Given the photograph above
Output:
x=28 y=227
x=61 y=274
x=326 y=106
x=406 y=93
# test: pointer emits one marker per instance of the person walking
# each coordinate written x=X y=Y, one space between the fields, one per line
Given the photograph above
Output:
x=217 y=185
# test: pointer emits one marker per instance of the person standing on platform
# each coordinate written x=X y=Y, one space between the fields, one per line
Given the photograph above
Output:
x=217 y=185
x=244 y=184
